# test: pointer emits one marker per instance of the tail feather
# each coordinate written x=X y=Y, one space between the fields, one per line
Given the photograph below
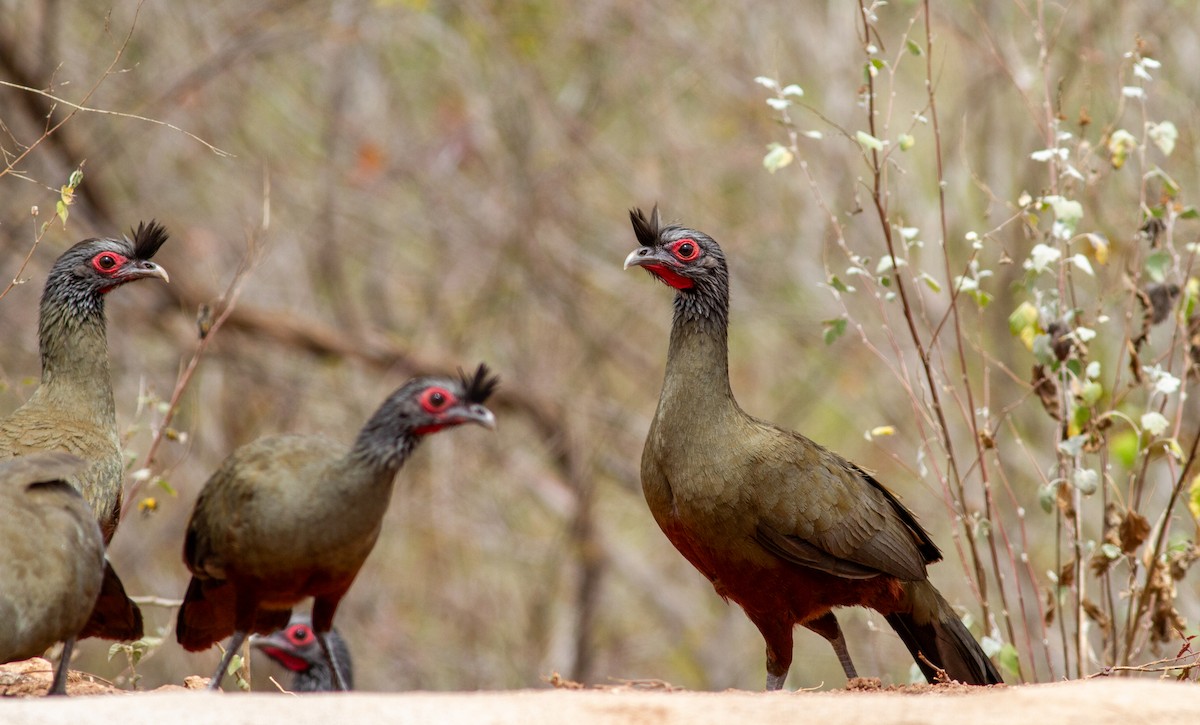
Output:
x=206 y=616
x=115 y=616
x=937 y=639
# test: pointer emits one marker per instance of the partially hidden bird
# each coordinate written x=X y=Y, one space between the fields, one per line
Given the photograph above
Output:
x=289 y=517
x=295 y=647
x=73 y=409
x=784 y=527
x=52 y=568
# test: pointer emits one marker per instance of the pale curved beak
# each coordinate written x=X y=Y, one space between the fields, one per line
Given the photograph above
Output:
x=640 y=257
x=144 y=268
x=479 y=414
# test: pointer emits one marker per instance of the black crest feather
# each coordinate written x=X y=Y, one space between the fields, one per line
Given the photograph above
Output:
x=147 y=238
x=478 y=387
x=647 y=231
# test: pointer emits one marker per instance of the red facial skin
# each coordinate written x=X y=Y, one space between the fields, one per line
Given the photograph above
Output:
x=298 y=636
x=685 y=250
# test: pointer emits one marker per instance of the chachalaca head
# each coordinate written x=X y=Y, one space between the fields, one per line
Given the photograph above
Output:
x=92 y=268
x=288 y=517
x=688 y=260
x=297 y=649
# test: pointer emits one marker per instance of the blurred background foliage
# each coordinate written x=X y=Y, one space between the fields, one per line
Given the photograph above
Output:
x=431 y=184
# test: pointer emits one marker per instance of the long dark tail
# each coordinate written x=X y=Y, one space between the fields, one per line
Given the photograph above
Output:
x=115 y=616
x=206 y=615
x=932 y=631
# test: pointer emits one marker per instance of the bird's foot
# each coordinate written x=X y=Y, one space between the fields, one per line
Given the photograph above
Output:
x=775 y=682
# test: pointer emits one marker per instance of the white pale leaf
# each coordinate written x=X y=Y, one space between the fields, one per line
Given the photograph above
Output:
x=1083 y=264
x=1154 y=423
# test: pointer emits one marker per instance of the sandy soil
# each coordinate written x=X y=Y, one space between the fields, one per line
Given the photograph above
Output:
x=1095 y=702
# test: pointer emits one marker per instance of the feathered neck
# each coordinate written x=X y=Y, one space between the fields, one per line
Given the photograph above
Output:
x=73 y=344
x=698 y=355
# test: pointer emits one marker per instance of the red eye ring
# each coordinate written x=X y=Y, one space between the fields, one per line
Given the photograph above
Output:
x=435 y=400
x=686 y=250
x=107 y=262
x=300 y=635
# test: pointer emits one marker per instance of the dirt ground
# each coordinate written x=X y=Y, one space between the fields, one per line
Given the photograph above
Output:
x=1094 y=702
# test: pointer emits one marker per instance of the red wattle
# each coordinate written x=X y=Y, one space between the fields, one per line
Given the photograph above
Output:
x=287 y=659
x=670 y=276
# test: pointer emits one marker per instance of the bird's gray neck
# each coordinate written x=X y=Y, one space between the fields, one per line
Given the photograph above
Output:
x=74 y=352
x=697 y=373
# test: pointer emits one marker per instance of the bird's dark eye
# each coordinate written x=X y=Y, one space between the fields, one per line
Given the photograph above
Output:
x=106 y=261
x=687 y=250
x=300 y=635
x=435 y=400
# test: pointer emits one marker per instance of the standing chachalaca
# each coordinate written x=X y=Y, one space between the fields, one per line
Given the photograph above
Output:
x=296 y=648
x=73 y=409
x=288 y=517
x=52 y=565
x=780 y=525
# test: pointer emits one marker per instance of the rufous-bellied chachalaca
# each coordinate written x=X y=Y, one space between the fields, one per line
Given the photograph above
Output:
x=52 y=566
x=784 y=527
x=288 y=517
x=73 y=409
x=296 y=648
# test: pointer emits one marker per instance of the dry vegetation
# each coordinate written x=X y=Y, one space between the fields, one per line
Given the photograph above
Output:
x=410 y=186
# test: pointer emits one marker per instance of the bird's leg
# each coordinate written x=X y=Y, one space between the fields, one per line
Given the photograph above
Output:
x=235 y=644
x=778 y=636
x=827 y=626
x=322 y=621
x=338 y=680
x=59 y=687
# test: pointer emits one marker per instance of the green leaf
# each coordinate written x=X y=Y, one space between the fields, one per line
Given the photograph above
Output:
x=235 y=664
x=905 y=141
x=1022 y=318
x=165 y=485
x=1169 y=185
x=983 y=299
x=1110 y=551
x=1124 y=447
x=930 y=282
x=76 y=178
x=1010 y=662
x=834 y=329
x=1194 y=499
x=1189 y=212
x=913 y=47
x=1157 y=263
x=839 y=285
x=1091 y=392
x=868 y=141
x=1046 y=497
